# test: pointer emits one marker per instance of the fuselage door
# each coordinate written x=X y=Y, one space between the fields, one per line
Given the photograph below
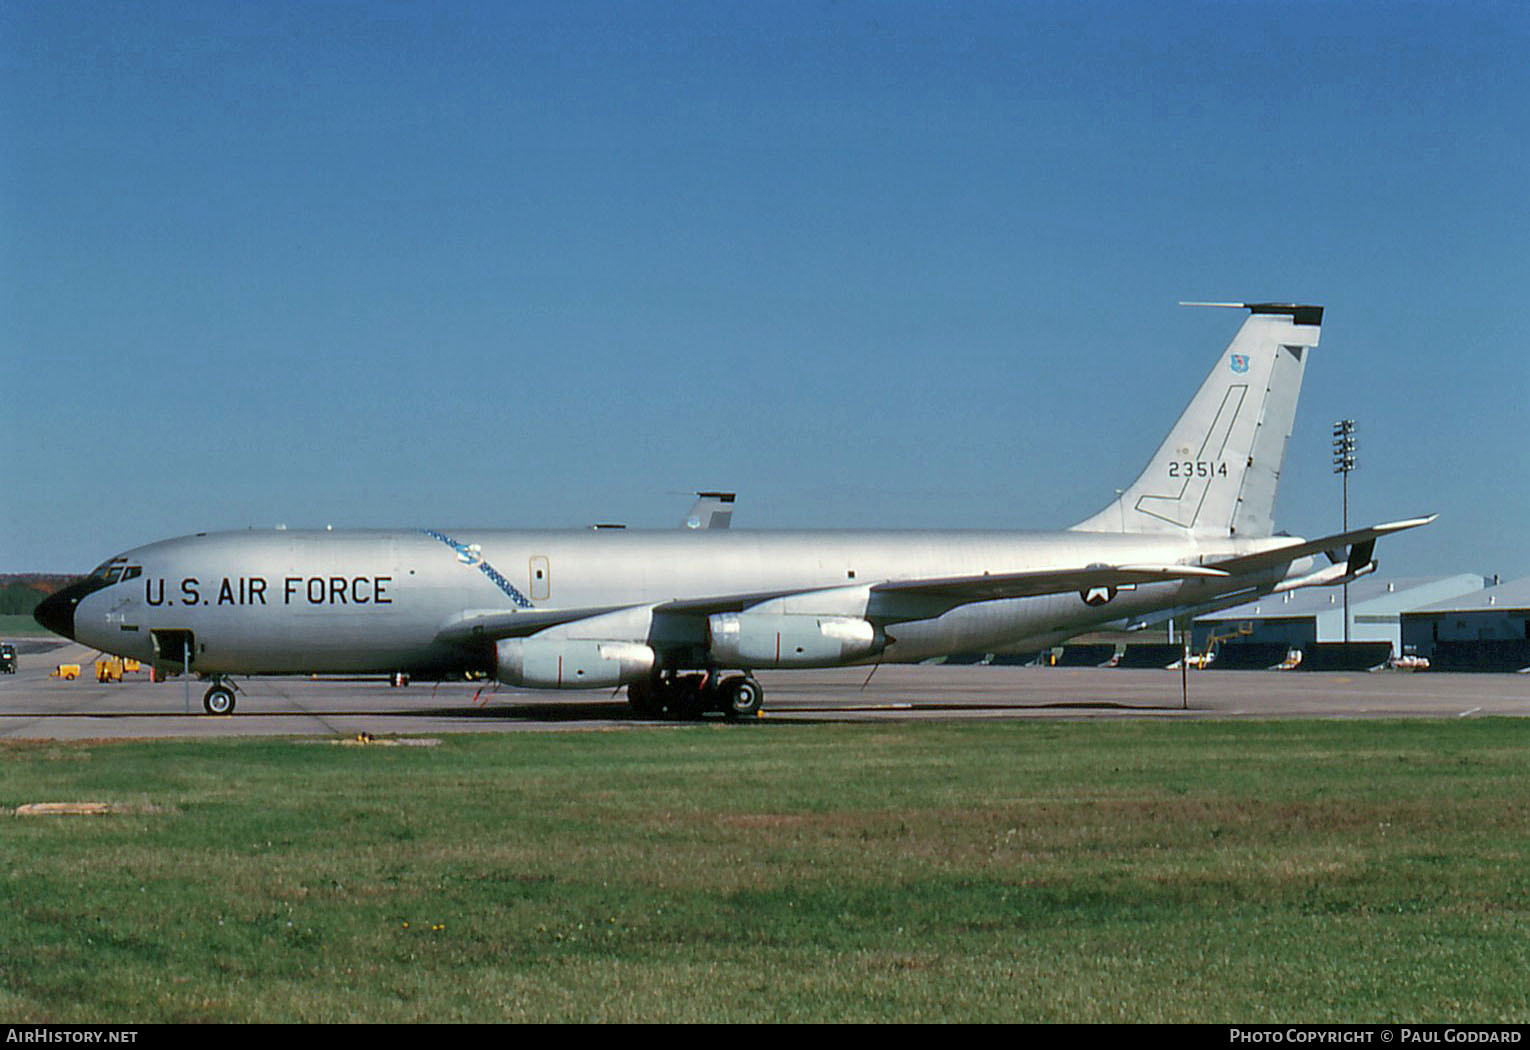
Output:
x=174 y=648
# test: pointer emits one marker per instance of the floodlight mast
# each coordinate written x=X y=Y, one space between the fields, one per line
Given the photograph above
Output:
x=1344 y=462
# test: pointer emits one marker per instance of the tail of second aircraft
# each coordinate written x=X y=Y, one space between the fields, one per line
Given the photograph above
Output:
x=1217 y=472
x=713 y=510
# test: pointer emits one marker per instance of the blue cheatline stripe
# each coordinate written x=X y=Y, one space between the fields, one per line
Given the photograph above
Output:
x=467 y=557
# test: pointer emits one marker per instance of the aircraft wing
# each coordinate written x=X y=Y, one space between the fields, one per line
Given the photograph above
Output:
x=1361 y=544
x=959 y=590
x=916 y=599
x=723 y=603
x=493 y=624
x=889 y=601
x=930 y=596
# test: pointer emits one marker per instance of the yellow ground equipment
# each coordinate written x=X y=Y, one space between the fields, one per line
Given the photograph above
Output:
x=65 y=671
x=1242 y=630
x=109 y=669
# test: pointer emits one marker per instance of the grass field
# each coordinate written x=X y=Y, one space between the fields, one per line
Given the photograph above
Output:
x=1101 y=871
x=21 y=625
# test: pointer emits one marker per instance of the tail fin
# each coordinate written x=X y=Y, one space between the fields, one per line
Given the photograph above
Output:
x=1217 y=471
x=713 y=510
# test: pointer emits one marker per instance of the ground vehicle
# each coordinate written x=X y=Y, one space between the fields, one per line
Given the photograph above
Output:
x=7 y=658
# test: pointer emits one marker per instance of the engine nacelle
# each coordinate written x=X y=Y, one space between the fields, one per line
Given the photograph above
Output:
x=750 y=640
x=571 y=663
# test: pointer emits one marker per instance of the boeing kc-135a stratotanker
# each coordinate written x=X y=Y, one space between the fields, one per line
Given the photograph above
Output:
x=684 y=618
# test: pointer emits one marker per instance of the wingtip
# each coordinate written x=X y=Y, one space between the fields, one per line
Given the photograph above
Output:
x=1407 y=523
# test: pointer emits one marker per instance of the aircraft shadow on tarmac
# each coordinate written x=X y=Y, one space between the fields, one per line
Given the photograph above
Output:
x=610 y=711
x=618 y=711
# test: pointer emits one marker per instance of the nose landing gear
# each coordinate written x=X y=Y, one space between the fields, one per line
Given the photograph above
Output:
x=219 y=698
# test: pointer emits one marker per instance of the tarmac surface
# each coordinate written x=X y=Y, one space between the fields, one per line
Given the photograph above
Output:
x=34 y=705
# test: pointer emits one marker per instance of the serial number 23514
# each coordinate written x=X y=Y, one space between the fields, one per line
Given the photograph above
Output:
x=1196 y=468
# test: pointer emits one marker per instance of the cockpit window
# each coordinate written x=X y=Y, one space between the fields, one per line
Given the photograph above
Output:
x=115 y=570
x=110 y=571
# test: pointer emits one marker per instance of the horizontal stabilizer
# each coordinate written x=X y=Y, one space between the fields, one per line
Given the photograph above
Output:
x=1362 y=544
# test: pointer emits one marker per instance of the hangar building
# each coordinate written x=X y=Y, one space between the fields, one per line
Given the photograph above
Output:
x=1299 y=619
x=1483 y=630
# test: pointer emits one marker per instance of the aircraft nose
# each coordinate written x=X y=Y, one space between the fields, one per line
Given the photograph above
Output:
x=56 y=612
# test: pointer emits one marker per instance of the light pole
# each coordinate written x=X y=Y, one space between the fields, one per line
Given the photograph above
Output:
x=1343 y=463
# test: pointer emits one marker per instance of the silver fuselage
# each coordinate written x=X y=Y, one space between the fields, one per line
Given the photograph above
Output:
x=548 y=609
x=283 y=602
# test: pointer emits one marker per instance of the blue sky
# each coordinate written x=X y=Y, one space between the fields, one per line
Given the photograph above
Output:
x=869 y=264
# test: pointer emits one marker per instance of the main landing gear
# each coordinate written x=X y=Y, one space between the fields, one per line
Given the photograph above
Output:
x=690 y=696
x=219 y=698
